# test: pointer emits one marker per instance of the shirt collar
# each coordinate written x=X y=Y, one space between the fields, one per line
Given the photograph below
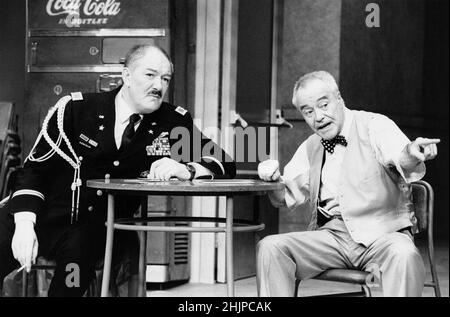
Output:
x=348 y=120
x=123 y=109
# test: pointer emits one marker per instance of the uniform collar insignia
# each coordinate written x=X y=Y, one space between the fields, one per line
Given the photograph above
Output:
x=76 y=96
x=181 y=110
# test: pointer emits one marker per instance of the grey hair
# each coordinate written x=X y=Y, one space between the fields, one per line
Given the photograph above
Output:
x=138 y=51
x=322 y=75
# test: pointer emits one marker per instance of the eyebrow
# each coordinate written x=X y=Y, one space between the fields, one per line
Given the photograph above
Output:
x=303 y=107
x=320 y=99
x=155 y=71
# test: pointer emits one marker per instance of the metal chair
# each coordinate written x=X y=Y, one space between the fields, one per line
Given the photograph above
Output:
x=44 y=265
x=10 y=146
x=423 y=201
x=41 y=264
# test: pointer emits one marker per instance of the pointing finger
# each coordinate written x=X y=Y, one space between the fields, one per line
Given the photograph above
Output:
x=424 y=141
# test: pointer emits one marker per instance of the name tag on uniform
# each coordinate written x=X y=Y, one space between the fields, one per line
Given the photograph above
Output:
x=87 y=142
x=93 y=143
x=160 y=146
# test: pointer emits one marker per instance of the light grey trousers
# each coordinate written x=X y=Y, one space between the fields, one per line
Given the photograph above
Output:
x=282 y=258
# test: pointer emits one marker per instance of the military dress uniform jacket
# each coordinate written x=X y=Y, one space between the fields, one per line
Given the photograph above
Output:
x=44 y=188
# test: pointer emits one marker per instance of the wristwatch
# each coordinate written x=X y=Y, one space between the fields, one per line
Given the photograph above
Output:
x=191 y=169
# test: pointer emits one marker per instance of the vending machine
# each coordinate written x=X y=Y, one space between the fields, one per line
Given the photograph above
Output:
x=80 y=45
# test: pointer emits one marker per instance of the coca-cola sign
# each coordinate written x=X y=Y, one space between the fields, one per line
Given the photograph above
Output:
x=97 y=14
x=80 y=12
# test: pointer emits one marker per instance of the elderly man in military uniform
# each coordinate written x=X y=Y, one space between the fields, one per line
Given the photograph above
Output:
x=117 y=134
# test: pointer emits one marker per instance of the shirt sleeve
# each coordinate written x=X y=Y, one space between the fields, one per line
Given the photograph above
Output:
x=296 y=179
x=388 y=142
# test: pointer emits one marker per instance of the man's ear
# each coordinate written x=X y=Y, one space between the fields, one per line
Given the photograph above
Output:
x=126 y=76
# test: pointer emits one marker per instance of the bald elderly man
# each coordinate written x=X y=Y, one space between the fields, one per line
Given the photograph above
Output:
x=354 y=172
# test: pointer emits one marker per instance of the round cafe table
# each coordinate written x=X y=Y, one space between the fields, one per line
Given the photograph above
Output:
x=142 y=187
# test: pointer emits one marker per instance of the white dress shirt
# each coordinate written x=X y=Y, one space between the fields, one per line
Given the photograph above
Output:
x=123 y=113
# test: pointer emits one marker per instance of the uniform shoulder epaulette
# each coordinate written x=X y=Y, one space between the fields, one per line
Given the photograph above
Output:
x=76 y=96
x=181 y=110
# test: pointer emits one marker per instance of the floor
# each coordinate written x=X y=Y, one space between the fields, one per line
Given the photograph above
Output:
x=247 y=287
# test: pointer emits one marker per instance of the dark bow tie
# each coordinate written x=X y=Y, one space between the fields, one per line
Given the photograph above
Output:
x=330 y=144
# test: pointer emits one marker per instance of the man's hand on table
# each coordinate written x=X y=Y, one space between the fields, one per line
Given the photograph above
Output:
x=166 y=168
x=269 y=170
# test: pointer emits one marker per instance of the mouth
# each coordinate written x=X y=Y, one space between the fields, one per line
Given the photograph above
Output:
x=323 y=126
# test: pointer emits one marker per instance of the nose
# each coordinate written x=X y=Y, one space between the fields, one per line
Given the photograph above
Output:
x=157 y=83
x=318 y=114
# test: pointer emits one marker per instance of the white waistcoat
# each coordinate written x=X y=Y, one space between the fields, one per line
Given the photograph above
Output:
x=374 y=200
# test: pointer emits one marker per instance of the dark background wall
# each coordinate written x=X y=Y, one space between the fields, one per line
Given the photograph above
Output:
x=254 y=60
x=401 y=70
x=12 y=53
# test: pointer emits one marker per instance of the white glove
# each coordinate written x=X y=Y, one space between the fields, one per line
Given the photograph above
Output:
x=165 y=168
x=269 y=170
x=24 y=244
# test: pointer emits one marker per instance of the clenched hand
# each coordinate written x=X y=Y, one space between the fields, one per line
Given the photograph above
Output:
x=269 y=170
x=166 y=168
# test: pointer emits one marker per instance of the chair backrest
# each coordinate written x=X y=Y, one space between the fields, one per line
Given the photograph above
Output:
x=6 y=118
x=9 y=147
x=6 y=122
x=423 y=200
